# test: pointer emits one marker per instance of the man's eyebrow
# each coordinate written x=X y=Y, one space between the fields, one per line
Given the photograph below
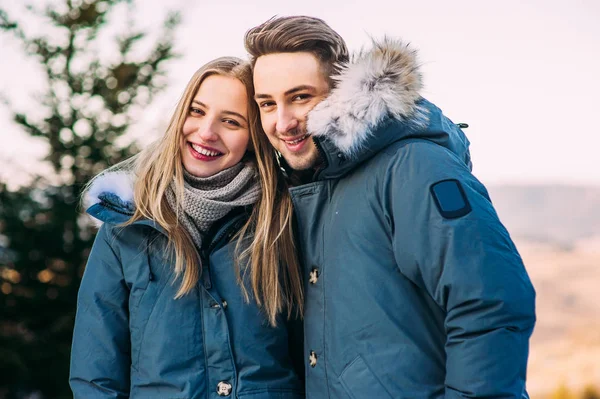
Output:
x=224 y=112
x=299 y=88
x=287 y=93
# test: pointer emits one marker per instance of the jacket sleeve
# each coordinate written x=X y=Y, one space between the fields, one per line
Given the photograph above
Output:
x=100 y=356
x=469 y=265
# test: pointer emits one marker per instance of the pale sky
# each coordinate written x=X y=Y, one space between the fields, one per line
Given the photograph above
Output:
x=524 y=74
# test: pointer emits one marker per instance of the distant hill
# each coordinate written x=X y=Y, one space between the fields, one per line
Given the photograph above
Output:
x=565 y=347
x=557 y=232
x=555 y=214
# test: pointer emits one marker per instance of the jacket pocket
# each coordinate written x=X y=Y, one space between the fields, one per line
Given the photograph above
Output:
x=360 y=382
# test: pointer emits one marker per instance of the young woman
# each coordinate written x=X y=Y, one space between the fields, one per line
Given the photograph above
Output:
x=177 y=299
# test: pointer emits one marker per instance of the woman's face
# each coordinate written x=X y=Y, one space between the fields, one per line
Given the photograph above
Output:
x=216 y=130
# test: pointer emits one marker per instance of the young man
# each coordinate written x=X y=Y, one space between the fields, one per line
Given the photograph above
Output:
x=414 y=288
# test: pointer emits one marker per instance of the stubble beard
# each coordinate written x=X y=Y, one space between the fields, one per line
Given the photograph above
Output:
x=309 y=157
x=306 y=161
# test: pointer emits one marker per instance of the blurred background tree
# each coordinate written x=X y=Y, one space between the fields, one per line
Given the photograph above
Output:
x=83 y=115
x=562 y=392
x=590 y=392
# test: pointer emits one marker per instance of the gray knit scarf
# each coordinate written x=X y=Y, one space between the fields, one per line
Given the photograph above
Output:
x=207 y=199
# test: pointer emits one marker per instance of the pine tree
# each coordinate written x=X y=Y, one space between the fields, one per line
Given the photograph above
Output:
x=89 y=103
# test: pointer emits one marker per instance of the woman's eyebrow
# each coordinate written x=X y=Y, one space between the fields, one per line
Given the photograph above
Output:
x=235 y=114
x=225 y=112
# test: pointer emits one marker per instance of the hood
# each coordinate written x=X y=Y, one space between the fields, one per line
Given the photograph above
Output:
x=109 y=197
x=375 y=103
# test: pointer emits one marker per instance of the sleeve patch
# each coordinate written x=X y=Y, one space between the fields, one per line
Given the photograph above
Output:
x=450 y=199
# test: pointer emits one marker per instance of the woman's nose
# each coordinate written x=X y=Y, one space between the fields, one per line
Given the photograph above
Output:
x=208 y=131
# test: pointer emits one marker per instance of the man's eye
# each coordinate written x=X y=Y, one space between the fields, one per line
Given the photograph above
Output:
x=301 y=97
x=266 y=104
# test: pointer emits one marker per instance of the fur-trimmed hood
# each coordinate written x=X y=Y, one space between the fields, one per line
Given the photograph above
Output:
x=111 y=185
x=376 y=102
x=109 y=197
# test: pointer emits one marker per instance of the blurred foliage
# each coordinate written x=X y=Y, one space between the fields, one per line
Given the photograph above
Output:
x=87 y=106
x=563 y=392
x=590 y=392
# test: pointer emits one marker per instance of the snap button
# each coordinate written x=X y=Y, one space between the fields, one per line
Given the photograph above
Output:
x=224 y=304
x=312 y=359
x=223 y=388
x=314 y=276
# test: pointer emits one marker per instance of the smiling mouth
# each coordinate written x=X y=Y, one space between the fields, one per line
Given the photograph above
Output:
x=205 y=151
x=298 y=140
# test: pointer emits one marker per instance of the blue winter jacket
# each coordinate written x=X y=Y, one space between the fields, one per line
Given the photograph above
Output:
x=133 y=339
x=414 y=289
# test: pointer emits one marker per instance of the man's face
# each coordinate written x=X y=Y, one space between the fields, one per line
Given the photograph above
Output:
x=287 y=87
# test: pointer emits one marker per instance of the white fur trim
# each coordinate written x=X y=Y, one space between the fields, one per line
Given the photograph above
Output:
x=117 y=183
x=383 y=81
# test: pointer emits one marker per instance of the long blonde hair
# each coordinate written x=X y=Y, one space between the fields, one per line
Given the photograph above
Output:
x=273 y=241
x=159 y=164
x=273 y=269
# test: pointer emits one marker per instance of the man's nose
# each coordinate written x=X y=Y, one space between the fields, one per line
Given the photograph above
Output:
x=286 y=120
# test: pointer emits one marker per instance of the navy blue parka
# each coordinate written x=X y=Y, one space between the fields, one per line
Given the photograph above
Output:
x=132 y=339
x=414 y=288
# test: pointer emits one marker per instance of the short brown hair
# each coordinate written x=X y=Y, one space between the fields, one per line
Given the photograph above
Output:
x=296 y=34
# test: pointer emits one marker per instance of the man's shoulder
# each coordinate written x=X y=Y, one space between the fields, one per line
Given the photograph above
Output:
x=421 y=152
x=417 y=146
x=415 y=165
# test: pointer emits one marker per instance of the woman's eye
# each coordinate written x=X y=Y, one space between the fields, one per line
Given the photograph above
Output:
x=232 y=122
x=196 y=111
